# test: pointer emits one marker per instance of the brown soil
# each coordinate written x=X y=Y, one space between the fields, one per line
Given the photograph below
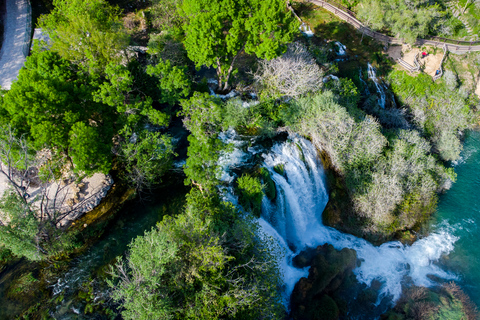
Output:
x=431 y=62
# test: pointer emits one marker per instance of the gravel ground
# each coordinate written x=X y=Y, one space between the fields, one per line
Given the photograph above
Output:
x=11 y=54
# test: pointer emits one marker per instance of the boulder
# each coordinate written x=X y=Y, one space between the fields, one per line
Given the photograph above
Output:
x=312 y=297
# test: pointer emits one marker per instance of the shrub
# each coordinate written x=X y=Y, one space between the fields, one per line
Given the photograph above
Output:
x=292 y=74
x=250 y=194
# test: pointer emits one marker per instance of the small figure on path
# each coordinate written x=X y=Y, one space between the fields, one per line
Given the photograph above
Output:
x=424 y=54
x=437 y=72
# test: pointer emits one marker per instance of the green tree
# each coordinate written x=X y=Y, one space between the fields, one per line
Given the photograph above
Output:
x=87 y=154
x=146 y=157
x=165 y=14
x=189 y=267
x=250 y=194
x=203 y=118
x=217 y=32
x=87 y=32
x=406 y=19
x=173 y=82
x=48 y=101
x=20 y=233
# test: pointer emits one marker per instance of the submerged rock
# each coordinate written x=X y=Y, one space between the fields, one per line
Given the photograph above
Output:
x=420 y=303
x=313 y=298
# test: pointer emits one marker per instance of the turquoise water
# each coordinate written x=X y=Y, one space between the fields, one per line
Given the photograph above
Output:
x=459 y=212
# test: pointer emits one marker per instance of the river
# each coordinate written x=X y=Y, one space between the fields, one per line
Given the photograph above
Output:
x=459 y=211
x=450 y=251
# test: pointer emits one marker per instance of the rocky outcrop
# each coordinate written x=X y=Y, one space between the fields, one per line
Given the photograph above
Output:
x=313 y=298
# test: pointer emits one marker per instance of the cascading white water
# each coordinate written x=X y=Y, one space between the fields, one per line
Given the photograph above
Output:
x=295 y=219
x=305 y=29
x=342 y=49
x=363 y=81
x=372 y=74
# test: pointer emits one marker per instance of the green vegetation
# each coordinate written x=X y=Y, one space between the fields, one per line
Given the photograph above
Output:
x=86 y=32
x=407 y=21
x=217 y=32
x=439 y=109
x=250 y=194
x=378 y=176
x=420 y=303
x=90 y=104
x=206 y=263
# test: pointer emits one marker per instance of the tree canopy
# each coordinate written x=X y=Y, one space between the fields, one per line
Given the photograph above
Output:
x=217 y=32
x=52 y=104
x=190 y=267
x=86 y=32
x=406 y=19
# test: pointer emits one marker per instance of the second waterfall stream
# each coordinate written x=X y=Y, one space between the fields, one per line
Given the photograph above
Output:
x=294 y=220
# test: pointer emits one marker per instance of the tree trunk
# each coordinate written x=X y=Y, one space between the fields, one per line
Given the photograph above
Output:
x=224 y=77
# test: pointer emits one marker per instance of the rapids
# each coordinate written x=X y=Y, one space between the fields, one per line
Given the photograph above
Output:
x=294 y=220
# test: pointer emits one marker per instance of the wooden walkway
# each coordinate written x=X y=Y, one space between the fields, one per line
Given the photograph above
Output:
x=453 y=46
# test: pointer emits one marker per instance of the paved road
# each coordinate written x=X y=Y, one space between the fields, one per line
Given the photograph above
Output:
x=17 y=16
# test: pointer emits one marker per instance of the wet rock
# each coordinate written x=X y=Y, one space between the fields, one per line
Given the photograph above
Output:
x=312 y=297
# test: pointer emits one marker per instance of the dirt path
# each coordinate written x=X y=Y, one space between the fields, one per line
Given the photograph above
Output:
x=17 y=16
x=431 y=62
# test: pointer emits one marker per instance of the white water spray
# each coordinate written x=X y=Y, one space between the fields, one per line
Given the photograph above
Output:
x=342 y=49
x=295 y=219
x=372 y=74
x=305 y=29
x=363 y=81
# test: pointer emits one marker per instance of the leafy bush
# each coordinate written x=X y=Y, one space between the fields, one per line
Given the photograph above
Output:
x=379 y=176
x=408 y=20
x=250 y=194
x=190 y=267
x=437 y=108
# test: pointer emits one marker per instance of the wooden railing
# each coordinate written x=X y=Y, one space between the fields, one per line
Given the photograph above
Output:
x=438 y=76
x=454 y=46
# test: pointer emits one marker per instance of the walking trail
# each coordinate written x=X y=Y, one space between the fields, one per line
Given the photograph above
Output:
x=454 y=46
x=12 y=58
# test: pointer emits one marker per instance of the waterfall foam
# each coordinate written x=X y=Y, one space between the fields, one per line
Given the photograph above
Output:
x=305 y=29
x=294 y=219
x=372 y=74
x=342 y=49
x=367 y=92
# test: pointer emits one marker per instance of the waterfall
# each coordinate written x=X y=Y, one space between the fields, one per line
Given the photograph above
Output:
x=363 y=82
x=342 y=49
x=305 y=29
x=294 y=219
x=372 y=74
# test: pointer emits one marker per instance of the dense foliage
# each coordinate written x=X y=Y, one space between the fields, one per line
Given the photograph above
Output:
x=381 y=177
x=86 y=104
x=86 y=32
x=408 y=20
x=206 y=263
x=216 y=33
x=440 y=110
